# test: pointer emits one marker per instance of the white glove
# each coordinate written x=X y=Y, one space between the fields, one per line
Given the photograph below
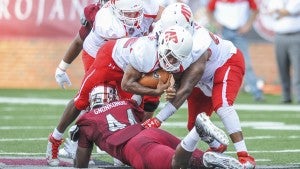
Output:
x=62 y=77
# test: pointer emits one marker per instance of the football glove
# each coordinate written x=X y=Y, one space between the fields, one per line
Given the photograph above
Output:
x=62 y=77
x=151 y=123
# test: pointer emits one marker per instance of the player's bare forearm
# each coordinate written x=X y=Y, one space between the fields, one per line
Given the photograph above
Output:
x=130 y=83
x=189 y=79
x=181 y=158
x=82 y=157
x=74 y=50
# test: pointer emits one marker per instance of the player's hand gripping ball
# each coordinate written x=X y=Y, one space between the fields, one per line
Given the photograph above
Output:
x=151 y=79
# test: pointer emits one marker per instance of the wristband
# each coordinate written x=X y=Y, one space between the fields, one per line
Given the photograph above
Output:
x=166 y=112
x=137 y=98
x=63 y=65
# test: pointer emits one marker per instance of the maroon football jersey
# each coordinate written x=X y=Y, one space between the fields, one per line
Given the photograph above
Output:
x=98 y=125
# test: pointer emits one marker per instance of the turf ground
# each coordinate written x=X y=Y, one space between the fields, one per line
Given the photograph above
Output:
x=271 y=130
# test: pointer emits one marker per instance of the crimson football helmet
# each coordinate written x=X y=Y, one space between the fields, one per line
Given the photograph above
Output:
x=102 y=95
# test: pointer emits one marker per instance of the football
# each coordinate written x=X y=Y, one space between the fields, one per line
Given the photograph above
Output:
x=151 y=79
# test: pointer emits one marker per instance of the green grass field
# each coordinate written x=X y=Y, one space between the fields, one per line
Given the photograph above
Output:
x=272 y=135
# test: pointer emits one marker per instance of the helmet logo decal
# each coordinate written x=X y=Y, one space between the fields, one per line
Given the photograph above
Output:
x=186 y=13
x=171 y=36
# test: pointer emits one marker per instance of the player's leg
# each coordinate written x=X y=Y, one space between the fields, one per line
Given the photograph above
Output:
x=227 y=83
x=199 y=102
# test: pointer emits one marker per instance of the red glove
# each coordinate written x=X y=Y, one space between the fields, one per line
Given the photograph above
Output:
x=246 y=160
x=152 y=122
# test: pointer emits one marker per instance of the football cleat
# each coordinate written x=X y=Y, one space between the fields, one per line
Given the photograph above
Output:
x=218 y=160
x=92 y=162
x=208 y=131
x=219 y=149
x=246 y=160
x=52 y=151
x=99 y=151
x=69 y=151
x=118 y=163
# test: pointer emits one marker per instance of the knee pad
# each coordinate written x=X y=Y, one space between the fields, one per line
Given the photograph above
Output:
x=230 y=119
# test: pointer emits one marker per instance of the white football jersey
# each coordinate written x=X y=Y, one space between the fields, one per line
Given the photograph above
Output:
x=221 y=51
x=140 y=53
x=108 y=26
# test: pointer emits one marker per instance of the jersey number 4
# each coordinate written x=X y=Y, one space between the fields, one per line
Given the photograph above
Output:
x=114 y=124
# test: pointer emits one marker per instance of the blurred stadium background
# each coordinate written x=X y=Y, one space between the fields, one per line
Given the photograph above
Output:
x=35 y=34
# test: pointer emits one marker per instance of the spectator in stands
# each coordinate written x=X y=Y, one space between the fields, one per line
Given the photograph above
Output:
x=234 y=18
x=286 y=14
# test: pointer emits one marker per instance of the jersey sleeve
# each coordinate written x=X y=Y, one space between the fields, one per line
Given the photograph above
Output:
x=87 y=19
x=201 y=42
x=108 y=26
x=253 y=5
x=211 y=5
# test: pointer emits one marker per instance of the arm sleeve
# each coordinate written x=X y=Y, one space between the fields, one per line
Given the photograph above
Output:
x=211 y=5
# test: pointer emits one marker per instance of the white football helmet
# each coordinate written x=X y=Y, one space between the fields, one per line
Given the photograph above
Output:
x=130 y=12
x=102 y=95
x=174 y=42
x=177 y=14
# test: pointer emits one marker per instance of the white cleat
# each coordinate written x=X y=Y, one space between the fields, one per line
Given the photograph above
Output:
x=218 y=160
x=118 y=163
x=99 y=151
x=69 y=151
x=92 y=162
x=52 y=151
x=206 y=129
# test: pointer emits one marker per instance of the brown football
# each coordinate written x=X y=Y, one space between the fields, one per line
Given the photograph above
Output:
x=151 y=79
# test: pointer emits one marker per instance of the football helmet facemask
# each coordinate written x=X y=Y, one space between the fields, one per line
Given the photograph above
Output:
x=102 y=95
x=130 y=12
x=174 y=45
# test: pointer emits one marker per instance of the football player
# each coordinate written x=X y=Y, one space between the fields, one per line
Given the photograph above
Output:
x=112 y=60
x=210 y=81
x=115 y=126
x=87 y=22
x=116 y=19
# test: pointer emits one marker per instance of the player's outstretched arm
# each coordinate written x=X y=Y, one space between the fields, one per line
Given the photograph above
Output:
x=73 y=51
x=82 y=157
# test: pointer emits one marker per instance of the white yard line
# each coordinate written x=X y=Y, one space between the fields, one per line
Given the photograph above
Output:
x=47 y=101
x=227 y=152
